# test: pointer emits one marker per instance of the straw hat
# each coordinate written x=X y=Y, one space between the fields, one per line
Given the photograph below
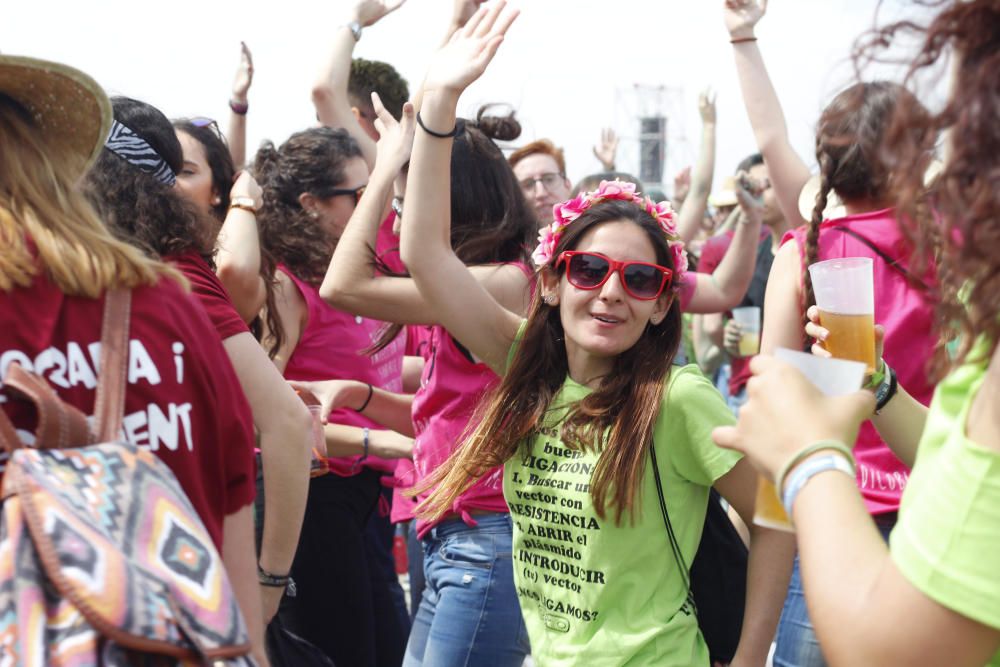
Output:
x=66 y=104
x=726 y=195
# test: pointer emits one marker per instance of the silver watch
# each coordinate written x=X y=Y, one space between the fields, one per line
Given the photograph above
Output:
x=355 y=30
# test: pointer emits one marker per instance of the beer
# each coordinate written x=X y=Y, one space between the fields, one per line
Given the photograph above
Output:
x=749 y=343
x=851 y=337
x=768 y=511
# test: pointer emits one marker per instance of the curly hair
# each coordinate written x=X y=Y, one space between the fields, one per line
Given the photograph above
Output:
x=311 y=161
x=966 y=194
x=368 y=76
x=138 y=208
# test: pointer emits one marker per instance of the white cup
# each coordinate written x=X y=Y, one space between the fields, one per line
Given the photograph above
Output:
x=833 y=377
x=748 y=317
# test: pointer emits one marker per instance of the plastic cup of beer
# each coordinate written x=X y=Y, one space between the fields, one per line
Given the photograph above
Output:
x=846 y=301
x=748 y=317
x=318 y=466
x=833 y=377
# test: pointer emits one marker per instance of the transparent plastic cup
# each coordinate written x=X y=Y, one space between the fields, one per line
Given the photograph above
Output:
x=846 y=301
x=748 y=317
x=833 y=377
x=319 y=465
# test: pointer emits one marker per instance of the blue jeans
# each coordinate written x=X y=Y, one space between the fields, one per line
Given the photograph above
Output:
x=736 y=401
x=469 y=613
x=797 y=645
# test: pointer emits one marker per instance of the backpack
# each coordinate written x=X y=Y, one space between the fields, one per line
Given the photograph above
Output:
x=717 y=580
x=103 y=559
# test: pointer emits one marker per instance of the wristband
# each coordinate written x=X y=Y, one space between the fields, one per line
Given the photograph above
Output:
x=446 y=135
x=801 y=475
x=355 y=29
x=740 y=40
x=886 y=390
x=239 y=108
x=364 y=405
x=877 y=377
x=266 y=578
x=819 y=445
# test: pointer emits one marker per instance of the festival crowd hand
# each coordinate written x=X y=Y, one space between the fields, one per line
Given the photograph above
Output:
x=331 y=395
x=244 y=75
x=742 y=15
x=369 y=12
x=466 y=55
x=395 y=138
x=749 y=195
x=816 y=331
x=463 y=10
x=785 y=412
x=706 y=106
x=731 y=334
x=244 y=185
x=607 y=150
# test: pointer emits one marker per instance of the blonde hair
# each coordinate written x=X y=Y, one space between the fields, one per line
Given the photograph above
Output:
x=45 y=222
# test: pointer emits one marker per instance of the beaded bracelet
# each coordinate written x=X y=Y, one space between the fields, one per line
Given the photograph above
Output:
x=819 y=445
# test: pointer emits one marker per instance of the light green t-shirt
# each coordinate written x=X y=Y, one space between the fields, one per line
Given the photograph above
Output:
x=948 y=535
x=596 y=593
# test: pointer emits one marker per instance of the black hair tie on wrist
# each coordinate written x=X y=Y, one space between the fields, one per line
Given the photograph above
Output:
x=447 y=135
x=371 y=390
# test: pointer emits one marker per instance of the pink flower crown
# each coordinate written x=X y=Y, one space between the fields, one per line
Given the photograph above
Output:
x=568 y=211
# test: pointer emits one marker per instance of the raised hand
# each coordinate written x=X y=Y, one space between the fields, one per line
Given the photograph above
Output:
x=246 y=186
x=607 y=150
x=742 y=15
x=682 y=184
x=462 y=11
x=244 y=75
x=465 y=57
x=369 y=12
x=395 y=138
x=706 y=106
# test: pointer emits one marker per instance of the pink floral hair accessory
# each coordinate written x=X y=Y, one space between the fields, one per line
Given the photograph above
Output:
x=568 y=211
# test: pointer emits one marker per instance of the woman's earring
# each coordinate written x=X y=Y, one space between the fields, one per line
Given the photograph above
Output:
x=655 y=321
x=216 y=200
x=313 y=214
x=549 y=300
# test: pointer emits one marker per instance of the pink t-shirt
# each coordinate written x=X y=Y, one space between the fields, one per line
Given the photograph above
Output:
x=909 y=322
x=331 y=348
x=451 y=387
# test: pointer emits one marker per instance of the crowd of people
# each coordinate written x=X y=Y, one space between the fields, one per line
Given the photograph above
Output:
x=385 y=327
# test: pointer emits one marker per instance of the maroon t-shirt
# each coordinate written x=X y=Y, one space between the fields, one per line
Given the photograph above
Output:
x=212 y=294
x=182 y=399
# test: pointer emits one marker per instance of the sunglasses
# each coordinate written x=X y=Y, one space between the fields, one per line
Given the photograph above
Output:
x=590 y=270
x=201 y=121
x=354 y=192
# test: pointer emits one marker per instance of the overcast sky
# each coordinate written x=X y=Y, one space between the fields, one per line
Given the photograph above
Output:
x=570 y=67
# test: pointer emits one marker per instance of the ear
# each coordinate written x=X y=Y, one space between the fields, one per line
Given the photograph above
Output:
x=357 y=113
x=662 y=308
x=549 y=288
x=216 y=197
x=308 y=202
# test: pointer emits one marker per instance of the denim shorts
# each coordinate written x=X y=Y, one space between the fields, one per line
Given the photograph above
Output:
x=469 y=613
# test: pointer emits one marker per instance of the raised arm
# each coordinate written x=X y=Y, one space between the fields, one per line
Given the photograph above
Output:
x=696 y=201
x=238 y=106
x=725 y=288
x=237 y=257
x=465 y=308
x=787 y=171
x=329 y=93
x=351 y=282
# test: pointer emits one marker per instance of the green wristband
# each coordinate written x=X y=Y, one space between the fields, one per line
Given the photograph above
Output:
x=801 y=455
x=878 y=377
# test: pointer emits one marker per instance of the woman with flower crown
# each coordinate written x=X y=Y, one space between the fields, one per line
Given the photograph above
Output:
x=587 y=398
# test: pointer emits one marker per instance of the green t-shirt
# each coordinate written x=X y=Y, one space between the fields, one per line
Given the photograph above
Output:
x=948 y=535
x=596 y=593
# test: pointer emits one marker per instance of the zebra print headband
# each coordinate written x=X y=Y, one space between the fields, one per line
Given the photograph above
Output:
x=132 y=148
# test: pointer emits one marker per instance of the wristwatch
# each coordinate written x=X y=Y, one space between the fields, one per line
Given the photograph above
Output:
x=355 y=30
x=244 y=203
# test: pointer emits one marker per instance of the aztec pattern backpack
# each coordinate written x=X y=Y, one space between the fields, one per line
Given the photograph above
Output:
x=103 y=559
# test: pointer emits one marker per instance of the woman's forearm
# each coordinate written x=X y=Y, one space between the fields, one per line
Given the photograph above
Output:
x=768 y=572
x=901 y=425
x=237 y=262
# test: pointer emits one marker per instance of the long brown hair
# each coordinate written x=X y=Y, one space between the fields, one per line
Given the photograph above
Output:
x=966 y=194
x=848 y=142
x=40 y=206
x=616 y=419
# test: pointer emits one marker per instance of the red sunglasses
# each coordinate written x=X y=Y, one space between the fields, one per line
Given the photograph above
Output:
x=590 y=270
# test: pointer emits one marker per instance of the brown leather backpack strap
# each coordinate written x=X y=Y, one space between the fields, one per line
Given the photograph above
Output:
x=59 y=424
x=109 y=407
x=8 y=434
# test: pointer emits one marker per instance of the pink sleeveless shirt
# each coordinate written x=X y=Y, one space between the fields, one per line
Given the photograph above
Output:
x=451 y=387
x=909 y=322
x=330 y=348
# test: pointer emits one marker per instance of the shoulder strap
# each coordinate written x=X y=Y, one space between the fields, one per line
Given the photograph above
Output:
x=892 y=263
x=109 y=407
x=674 y=546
